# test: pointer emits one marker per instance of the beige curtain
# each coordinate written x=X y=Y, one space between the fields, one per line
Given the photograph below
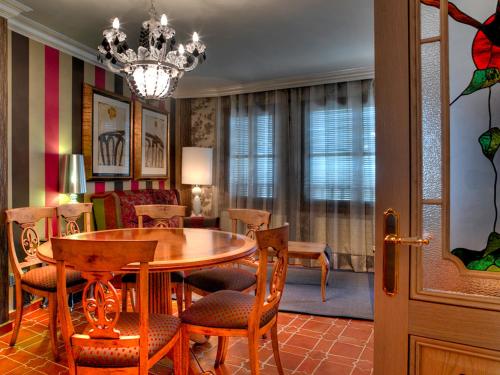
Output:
x=308 y=156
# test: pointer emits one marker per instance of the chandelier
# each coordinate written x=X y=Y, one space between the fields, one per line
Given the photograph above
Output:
x=154 y=71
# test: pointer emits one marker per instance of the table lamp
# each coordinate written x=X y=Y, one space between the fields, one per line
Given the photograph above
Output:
x=72 y=176
x=196 y=170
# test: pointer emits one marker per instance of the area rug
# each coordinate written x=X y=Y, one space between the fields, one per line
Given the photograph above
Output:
x=348 y=294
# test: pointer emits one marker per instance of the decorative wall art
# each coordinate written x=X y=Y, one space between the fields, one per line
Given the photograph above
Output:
x=151 y=143
x=106 y=135
x=472 y=185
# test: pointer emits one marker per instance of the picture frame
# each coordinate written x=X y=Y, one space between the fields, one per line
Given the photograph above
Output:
x=106 y=135
x=151 y=143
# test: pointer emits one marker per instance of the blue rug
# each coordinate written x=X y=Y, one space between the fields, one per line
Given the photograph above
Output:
x=348 y=294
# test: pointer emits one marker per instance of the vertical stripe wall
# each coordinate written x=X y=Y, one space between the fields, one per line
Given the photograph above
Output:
x=46 y=120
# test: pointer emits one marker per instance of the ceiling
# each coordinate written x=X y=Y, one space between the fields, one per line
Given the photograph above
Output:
x=247 y=40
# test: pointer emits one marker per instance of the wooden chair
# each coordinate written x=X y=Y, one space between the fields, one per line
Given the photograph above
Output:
x=40 y=281
x=163 y=216
x=112 y=342
x=67 y=222
x=229 y=313
x=68 y=215
x=212 y=280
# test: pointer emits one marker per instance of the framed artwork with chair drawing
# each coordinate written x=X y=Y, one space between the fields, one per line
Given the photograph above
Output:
x=106 y=135
x=151 y=142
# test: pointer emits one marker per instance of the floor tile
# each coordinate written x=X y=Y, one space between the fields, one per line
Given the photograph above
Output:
x=309 y=345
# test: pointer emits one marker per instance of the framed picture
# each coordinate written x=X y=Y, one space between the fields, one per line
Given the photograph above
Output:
x=106 y=135
x=151 y=142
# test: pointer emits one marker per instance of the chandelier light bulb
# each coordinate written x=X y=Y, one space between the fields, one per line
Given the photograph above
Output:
x=164 y=20
x=196 y=37
x=181 y=49
x=116 y=23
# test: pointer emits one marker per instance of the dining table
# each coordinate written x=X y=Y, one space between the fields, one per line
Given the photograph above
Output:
x=178 y=249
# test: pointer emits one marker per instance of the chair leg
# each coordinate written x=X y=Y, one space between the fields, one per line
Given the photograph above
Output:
x=221 y=351
x=179 y=296
x=19 y=314
x=253 y=355
x=178 y=356
x=185 y=355
x=188 y=296
x=124 y=296
x=133 y=299
x=276 y=347
x=53 y=324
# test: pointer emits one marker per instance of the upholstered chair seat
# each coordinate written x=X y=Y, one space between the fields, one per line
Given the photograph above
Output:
x=162 y=329
x=212 y=280
x=222 y=278
x=175 y=277
x=45 y=278
x=224 y=309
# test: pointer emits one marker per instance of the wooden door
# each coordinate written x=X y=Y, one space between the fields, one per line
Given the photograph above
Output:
x=435 y=312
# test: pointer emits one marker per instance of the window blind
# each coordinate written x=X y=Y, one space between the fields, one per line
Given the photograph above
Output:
x=251 y=156
x=334 y=148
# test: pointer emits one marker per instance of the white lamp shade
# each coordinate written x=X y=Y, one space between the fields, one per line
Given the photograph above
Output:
x=197 y=166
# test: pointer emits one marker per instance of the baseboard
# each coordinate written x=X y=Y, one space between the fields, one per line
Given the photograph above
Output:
x=6 y=328
x=35 y=305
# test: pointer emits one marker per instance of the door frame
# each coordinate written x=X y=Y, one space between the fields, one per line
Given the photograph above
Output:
x=4 y=174
x=392 y=94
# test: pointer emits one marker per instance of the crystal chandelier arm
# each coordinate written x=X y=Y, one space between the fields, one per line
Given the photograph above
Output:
x=193 y=65
x=111 y=67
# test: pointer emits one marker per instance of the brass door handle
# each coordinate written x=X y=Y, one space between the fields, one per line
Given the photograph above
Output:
x=391 y=250
x=412 y=241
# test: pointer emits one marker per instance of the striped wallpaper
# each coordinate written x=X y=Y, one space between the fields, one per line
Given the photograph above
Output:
x=45 y=120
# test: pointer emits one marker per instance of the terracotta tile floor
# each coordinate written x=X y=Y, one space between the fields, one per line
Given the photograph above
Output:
x=309 y=345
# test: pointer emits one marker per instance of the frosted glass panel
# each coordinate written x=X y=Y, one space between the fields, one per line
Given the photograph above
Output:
x=431 y=120
x=442 y=275
x=429 y=25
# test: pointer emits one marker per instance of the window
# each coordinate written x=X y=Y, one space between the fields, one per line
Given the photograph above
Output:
x=251 y=156
x=334 y=146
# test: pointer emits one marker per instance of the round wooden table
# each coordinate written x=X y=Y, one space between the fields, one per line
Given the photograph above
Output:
x=178 y=249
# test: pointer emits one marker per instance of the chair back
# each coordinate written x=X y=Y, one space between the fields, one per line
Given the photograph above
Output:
x=98 y=261
x=68 y=215
x=27 y=218
x=277 y=240
x=254 y=220
x=162 y=215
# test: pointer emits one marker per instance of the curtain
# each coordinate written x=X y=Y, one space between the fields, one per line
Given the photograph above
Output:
x=307 y=155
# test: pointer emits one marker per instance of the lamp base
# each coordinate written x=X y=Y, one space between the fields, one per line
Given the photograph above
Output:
x=73 y=198
x=196 y=201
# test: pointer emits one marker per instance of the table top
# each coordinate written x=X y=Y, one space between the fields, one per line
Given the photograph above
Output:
x=178 y=248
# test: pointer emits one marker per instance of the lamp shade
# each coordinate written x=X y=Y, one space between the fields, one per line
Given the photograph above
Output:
x=197 y=166
x=72 y=175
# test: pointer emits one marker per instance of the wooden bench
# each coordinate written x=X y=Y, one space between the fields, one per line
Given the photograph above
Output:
x=315 y=251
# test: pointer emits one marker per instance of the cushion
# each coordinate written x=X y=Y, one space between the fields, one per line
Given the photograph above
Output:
x=107 y=212
x=45 y=278
x=221 y=278
x=224 y=309
x=128 y=200
x=162 y=328
x=175 y=277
